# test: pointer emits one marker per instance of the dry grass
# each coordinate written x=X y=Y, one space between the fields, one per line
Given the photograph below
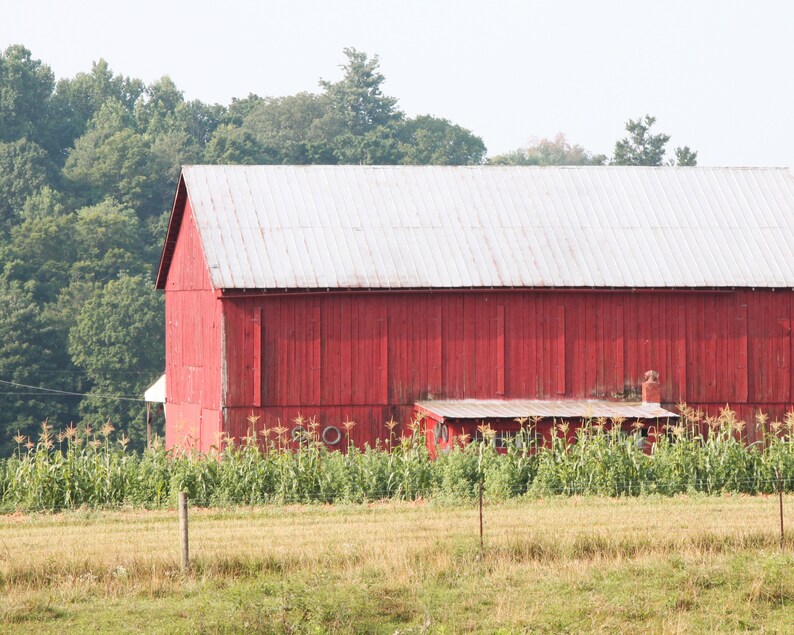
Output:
x=574 y=564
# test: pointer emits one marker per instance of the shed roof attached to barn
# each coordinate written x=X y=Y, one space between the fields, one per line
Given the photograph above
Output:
x=554 y=409
x=403 y=227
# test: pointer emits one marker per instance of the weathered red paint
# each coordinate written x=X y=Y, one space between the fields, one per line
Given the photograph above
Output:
x=368 y=356
x=194 y=351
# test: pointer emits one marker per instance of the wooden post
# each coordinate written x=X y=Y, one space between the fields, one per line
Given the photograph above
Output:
x=481 y=513
x=183 y=532
x=780 y=498
x=148 y=426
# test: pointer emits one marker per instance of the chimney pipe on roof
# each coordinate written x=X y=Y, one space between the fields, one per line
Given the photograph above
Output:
x=651 y=388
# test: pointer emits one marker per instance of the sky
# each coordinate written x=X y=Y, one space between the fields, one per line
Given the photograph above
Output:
x=717 y=75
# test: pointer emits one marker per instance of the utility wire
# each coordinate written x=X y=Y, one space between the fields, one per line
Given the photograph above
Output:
x=55 y=391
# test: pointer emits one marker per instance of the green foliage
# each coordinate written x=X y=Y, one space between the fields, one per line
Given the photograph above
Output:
x=86 y=466
x=686 y=157
x=238 y=146
x=601 y=461
x=37 y=253
x=25 y=87
x=117 y=339
x=640 y=147
x=77 y=100
x=106 y=239
x=289 y=129
x=29 y=351
x=429 y=140
x=356 y=101
x=350 y=122
x=155 y=111
x=50 y=249
x=557 y=151
x=111 y=159
x=25 y=169
x=643 y=148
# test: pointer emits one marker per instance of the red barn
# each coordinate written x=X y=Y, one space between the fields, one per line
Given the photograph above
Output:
x=472 y=294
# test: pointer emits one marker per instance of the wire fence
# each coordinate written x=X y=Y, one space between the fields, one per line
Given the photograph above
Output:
x=464 y=491
x=195 y=535
x=480 y=499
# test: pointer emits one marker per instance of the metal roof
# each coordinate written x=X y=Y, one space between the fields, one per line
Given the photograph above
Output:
x=513 y=408
x=361 y=227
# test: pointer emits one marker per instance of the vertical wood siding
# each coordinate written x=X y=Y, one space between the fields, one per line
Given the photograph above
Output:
x=370 y=356
x=193 y=344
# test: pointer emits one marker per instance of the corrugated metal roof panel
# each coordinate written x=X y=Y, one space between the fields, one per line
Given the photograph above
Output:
x=514 y=408
x=350 y=227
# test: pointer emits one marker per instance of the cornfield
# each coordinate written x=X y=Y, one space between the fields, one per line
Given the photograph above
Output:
x=80 y=467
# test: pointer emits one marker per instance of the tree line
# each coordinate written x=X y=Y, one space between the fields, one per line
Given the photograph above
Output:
x=88 y=167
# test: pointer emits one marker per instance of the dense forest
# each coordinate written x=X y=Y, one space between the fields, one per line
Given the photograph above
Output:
x=88 y=168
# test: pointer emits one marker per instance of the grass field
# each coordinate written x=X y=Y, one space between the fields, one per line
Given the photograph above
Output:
x=647 y=564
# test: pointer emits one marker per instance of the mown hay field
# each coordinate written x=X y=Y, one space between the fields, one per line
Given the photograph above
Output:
x=575 y=564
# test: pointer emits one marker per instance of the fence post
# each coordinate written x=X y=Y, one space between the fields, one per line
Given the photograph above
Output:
x=780 y=498
x=183 y=532
x=481 y=544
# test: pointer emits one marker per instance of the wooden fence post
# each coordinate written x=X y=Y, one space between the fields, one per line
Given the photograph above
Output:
x=481 y=543
x=183 y=532
x=780 y=498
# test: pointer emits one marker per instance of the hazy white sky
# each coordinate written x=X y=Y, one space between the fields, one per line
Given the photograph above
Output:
x=717 y=74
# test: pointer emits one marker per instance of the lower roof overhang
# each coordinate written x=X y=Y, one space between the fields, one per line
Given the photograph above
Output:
x=519 y=408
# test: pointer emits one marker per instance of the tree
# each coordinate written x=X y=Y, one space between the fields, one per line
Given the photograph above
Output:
x=107 y=240
x=360 y=125
x=643 y=148
x=427 y=140
x=155 y=111
x=112 y=159
x=557 y=151
x=76 y=101
x=231 y=145
x=686 y=157
x=239 y=109
x=39 y=255
x=288 y=129
x=357 y=99
x=25 y=168
x=30 y=356
x=350 y=122
x=640 y=147
x=40 y=250
x=47 y=252
x=26 y=86
x=118 y=339
x=199 y=121
x=378 y=146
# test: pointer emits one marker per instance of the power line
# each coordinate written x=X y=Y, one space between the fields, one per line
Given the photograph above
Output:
x=40 y=394
x=85 y=372
x=55 y=391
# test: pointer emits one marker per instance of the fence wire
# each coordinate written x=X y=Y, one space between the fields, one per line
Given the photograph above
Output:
x=118 y=538
x=461 y=494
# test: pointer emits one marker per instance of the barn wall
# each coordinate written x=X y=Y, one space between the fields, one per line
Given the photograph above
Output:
x=193 y=344
x=369 y=356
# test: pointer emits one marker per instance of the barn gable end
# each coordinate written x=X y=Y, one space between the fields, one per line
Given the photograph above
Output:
x=193 y=319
